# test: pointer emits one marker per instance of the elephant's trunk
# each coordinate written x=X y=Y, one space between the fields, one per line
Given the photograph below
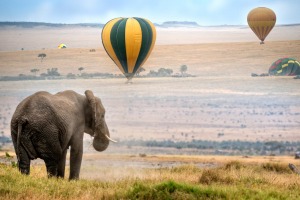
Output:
x=100 y=143
x=101 y=139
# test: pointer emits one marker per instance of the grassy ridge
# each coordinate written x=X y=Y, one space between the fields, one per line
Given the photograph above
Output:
x=233 y=180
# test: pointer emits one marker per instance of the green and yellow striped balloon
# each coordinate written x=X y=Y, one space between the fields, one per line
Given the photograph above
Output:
x=285 y=67
x=128 y=42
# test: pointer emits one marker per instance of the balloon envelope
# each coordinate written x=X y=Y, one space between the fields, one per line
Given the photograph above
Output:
x=261 y=20
x=128 y=42
x=285 y=67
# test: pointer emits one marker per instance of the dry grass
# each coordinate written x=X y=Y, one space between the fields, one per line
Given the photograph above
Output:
x=202 y=59
x=164 y=167
x=234 y=179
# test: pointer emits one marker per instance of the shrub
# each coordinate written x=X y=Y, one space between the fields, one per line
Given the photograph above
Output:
x=71 y=76
x=186 y=168
x=276 y=167
x=233 y=165
x=143 y=155
x=210 y=176
x=172 y=190
x=162 y=72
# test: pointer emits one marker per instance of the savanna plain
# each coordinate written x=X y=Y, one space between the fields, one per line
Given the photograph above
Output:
x=220 y=102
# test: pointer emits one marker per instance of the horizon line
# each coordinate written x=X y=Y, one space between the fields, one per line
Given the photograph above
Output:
x=159 y=24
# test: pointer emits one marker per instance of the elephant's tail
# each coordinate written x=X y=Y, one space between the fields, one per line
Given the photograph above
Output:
x=20 y=124
x=27 y=144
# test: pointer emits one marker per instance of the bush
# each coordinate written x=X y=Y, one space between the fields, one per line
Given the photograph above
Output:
x=173 y=190
x=71 y=76
x=185 y=168
x=162 y=72
x=210 y=176
x=234 y=165
x=276 y=167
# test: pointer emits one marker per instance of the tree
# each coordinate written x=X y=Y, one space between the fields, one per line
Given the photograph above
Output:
x=80 y=69
x=71 y=76
x=162 y=72
x=141 y=69
x=42 y=56
x=34 y=71
x=183 y=69
x=53 y=72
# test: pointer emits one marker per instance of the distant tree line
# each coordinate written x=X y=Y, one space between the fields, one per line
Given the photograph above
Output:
x=230 y=147
x=162 y=72
x=53 y=73
x=166 y=72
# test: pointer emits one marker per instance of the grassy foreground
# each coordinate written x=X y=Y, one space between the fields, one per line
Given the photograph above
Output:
x=231 y=180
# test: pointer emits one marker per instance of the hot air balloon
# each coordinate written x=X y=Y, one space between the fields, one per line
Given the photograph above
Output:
x=285 y=67
x=128 y=42
x=261 y=20
x=62 y=46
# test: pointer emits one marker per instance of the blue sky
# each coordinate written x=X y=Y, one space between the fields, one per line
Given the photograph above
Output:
x=204 y=12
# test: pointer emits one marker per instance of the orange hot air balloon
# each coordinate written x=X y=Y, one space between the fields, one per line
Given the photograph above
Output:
x=261 y=20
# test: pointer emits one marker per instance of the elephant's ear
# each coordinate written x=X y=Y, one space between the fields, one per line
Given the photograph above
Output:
x=92 y=102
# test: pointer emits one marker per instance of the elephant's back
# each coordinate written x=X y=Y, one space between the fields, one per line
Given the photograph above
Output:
x=45 y=108
x=35 y=107
x=24 y=107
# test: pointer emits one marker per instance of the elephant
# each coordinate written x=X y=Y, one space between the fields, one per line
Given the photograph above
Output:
x=45 y=125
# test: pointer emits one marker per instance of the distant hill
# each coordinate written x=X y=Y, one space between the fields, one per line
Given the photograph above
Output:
x=178 y=24
x=56 y=25
x=167 y=24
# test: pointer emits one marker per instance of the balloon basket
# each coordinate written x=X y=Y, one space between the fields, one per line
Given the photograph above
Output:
x=129 y=81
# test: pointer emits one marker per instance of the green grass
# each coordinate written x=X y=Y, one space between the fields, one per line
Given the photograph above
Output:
x=233 y=180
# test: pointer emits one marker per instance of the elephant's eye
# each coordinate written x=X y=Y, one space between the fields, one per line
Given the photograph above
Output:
x=102 y=116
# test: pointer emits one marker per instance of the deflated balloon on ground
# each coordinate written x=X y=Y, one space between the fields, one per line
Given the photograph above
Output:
x=62 y=46
x=285 y=67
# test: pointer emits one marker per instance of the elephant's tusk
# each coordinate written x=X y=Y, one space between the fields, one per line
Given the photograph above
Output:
x=110 y=139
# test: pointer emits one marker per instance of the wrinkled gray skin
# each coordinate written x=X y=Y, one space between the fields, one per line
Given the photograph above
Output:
x=45 y=126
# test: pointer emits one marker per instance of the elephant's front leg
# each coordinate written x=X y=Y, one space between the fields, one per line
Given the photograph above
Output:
x=51 y=166
x=76 y=157
x=62 y=164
